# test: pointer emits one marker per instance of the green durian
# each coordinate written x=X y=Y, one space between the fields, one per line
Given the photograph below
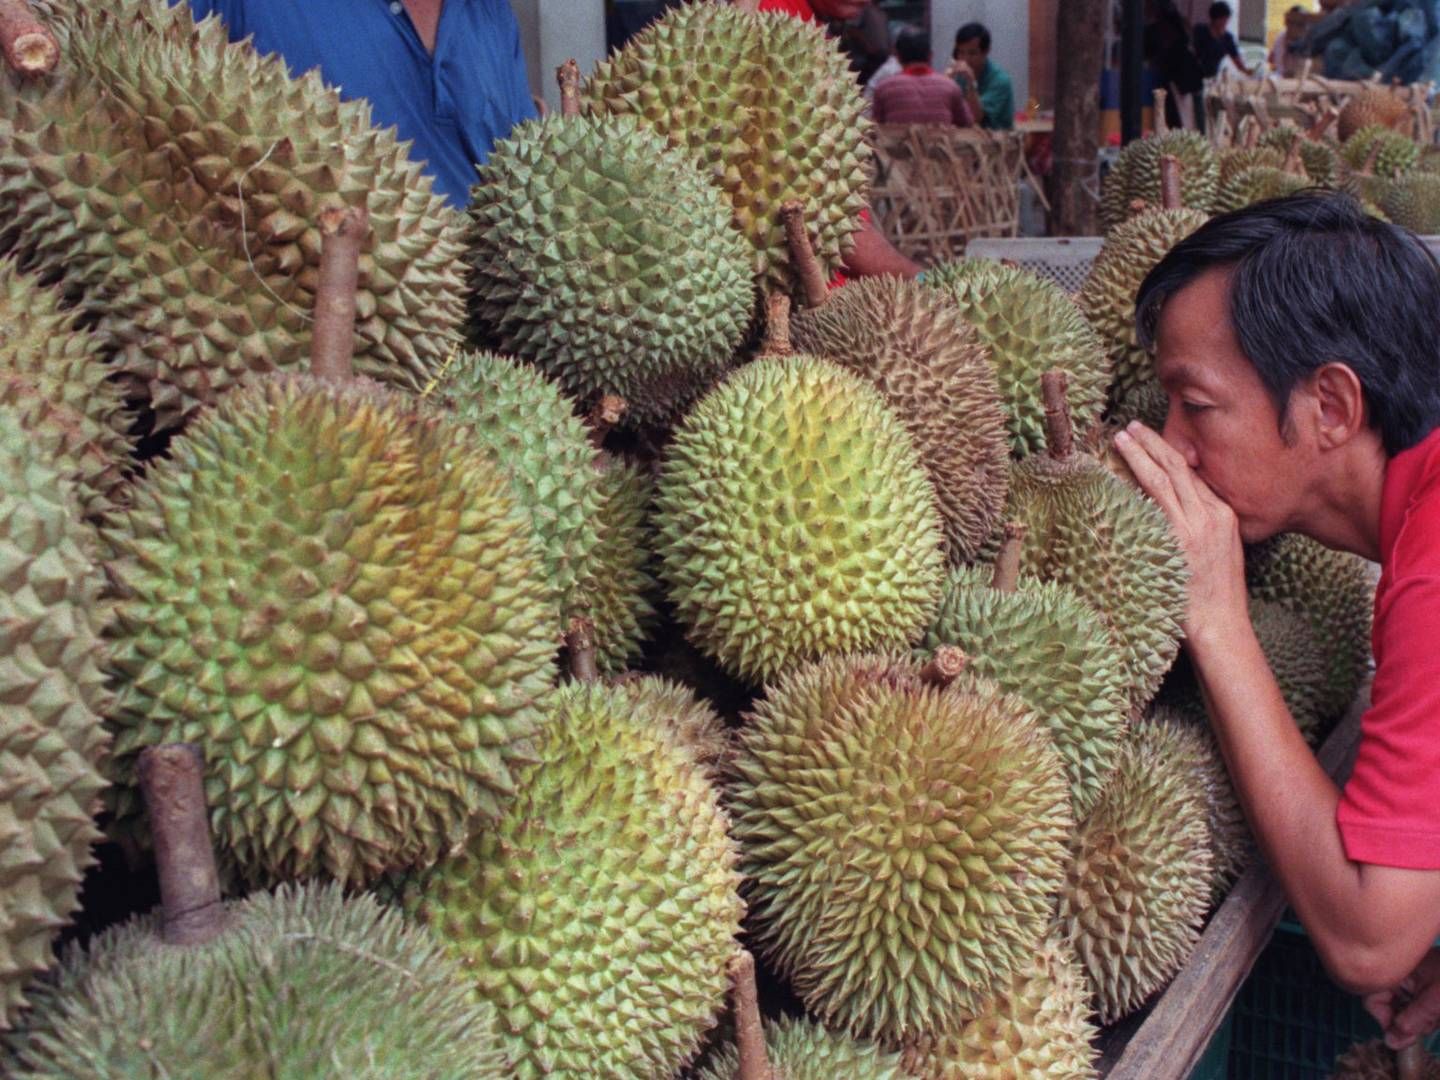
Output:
x=796 y=519
x=900 y=840
x=604 y=257
x=1319 y=159
x=689 y=719
x=936 y=377
x=302 y=983
x=1412 y=201
x=767 y=107
x=615 y=586
x=1256 y=184
x=1136 y=175
x=1391 y=151
x=175 y=180
x=1375 y=1061
x=330 y=590
x=803 y=1050
x=52 y=700
x=1234 y=160
x=1139 y=880
x=598 y=915
x=1029 y=325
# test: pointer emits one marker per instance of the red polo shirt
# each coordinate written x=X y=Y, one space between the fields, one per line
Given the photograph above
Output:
x=801 y=9
x=1390 y=809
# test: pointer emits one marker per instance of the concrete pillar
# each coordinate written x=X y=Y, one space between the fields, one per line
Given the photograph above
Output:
x=1009 y=24
x=553 y=31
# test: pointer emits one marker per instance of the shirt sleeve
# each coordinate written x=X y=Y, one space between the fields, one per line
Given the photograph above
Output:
x=1389 y=811
x=1232 y=48
x=998 y=101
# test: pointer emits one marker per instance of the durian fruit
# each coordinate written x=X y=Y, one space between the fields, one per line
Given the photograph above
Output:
x=796 y=519
x=1040 y=641
x=604 y=257
x=1376 y=106
x=689 y=719
x=1388 y=151
x=1029 y=324
x=1136 y=175
x=1412 y=201
x=1234 y=160
x=1089 y=530
x=1107 y=298
x=935 y=375
x=1257 y=184
x=304 y=982
x=1375 y=1061
x=901 y=839
x=1335 y=592
x=174 y=179
x=53 y=377
x=329 y=588
x=52 y=699
x=1138 y=884
x=1232 y=844
x=1037 y=1028
x=803 y=1050
x=615 y=585
x=599 y=915
x=766 y=105
x=1317 y=157
x=530 y=426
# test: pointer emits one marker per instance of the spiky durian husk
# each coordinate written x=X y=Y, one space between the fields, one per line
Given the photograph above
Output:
x=1376 y=1061
x=936 y=376
x=690 y=719
x=331 y=592
x=52 y=699
x=1335 y=592
x=302 y=983
x=175 y=180
x=530 y=426
x=1236 y=159
x=900 y=842
x=1412 y=201
x=796 y=519
x=803 y=1050
x=1108 y=296
x=1029 y=325
x=1398 y=153
x=1232 y=845
x=1047 y=645
x=1037 y=1028
x=1319 y=159
x=1257 y=184
x=54 y=379
x=599 y=914
x=604 y=257
x=615 y=585
x=1087 y=529
x=766 y=105
x=1373 y=106
x=1138 y=884
x=1136 y=175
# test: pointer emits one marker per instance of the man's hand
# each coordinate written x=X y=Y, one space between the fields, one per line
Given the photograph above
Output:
x=1206 y=528
x=960 y=67
x=1404 y=1023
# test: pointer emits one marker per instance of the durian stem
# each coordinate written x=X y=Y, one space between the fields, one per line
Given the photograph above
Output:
x=1006 y=577
x=172 y=784
x=1368 y=169
x=568 y=75
x=1292 y=159
x=332 y=348
x=29 y=45
x=1317 y=130
x=1162 y=123
x=777 y=326
x=749 y=1030
x=1252 y=134
x=945 y=666
x=580 y=643
x=802 y=254
x=1410 y=1062
x=602 y=418
x=1059 y=431
x=1171 y=197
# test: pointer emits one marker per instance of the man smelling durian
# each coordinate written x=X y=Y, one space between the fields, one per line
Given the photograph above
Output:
x=1296 y=344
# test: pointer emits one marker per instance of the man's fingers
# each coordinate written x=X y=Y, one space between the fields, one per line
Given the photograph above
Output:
x=1149 y=473
x=1381 y=1006
x=1182 y=477
x=1420 y=1017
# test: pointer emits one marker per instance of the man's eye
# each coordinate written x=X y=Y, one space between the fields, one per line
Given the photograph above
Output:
x=1192 y=407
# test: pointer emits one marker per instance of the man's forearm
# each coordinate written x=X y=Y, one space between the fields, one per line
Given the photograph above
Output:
x=873 y=254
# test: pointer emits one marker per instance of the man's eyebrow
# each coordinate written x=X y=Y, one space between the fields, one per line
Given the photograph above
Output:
x=1184 y=373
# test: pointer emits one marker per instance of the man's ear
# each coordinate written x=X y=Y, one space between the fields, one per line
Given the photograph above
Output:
x=1339 y=405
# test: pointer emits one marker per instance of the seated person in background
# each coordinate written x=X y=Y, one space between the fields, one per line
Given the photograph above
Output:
x=919 y=95
x=1288 y=55
x=987 y=88
x=450 y=78
x=1214 y=42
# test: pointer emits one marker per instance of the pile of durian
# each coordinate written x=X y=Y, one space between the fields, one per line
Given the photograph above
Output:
x=638 y=602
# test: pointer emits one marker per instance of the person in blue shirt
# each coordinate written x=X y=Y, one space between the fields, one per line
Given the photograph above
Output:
x=448 y=74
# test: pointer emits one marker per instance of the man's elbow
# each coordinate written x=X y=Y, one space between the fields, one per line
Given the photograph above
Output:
x=1366 y=969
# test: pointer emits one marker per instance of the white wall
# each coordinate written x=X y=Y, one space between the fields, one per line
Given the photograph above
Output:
x=553 y=31
x=1009 y=24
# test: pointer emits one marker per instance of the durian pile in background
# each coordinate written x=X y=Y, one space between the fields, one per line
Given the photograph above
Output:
x=888 y=643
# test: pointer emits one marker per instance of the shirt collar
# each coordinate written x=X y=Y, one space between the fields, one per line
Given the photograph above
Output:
x=1407 y=475
x=918 y=69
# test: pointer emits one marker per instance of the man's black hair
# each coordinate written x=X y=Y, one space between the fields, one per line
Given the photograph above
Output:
x=1314 y=280
x=969 y=32
x=1220 y=10
x=913 y=46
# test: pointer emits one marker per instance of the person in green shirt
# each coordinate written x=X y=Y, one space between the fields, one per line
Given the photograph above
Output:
x=986 y=86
